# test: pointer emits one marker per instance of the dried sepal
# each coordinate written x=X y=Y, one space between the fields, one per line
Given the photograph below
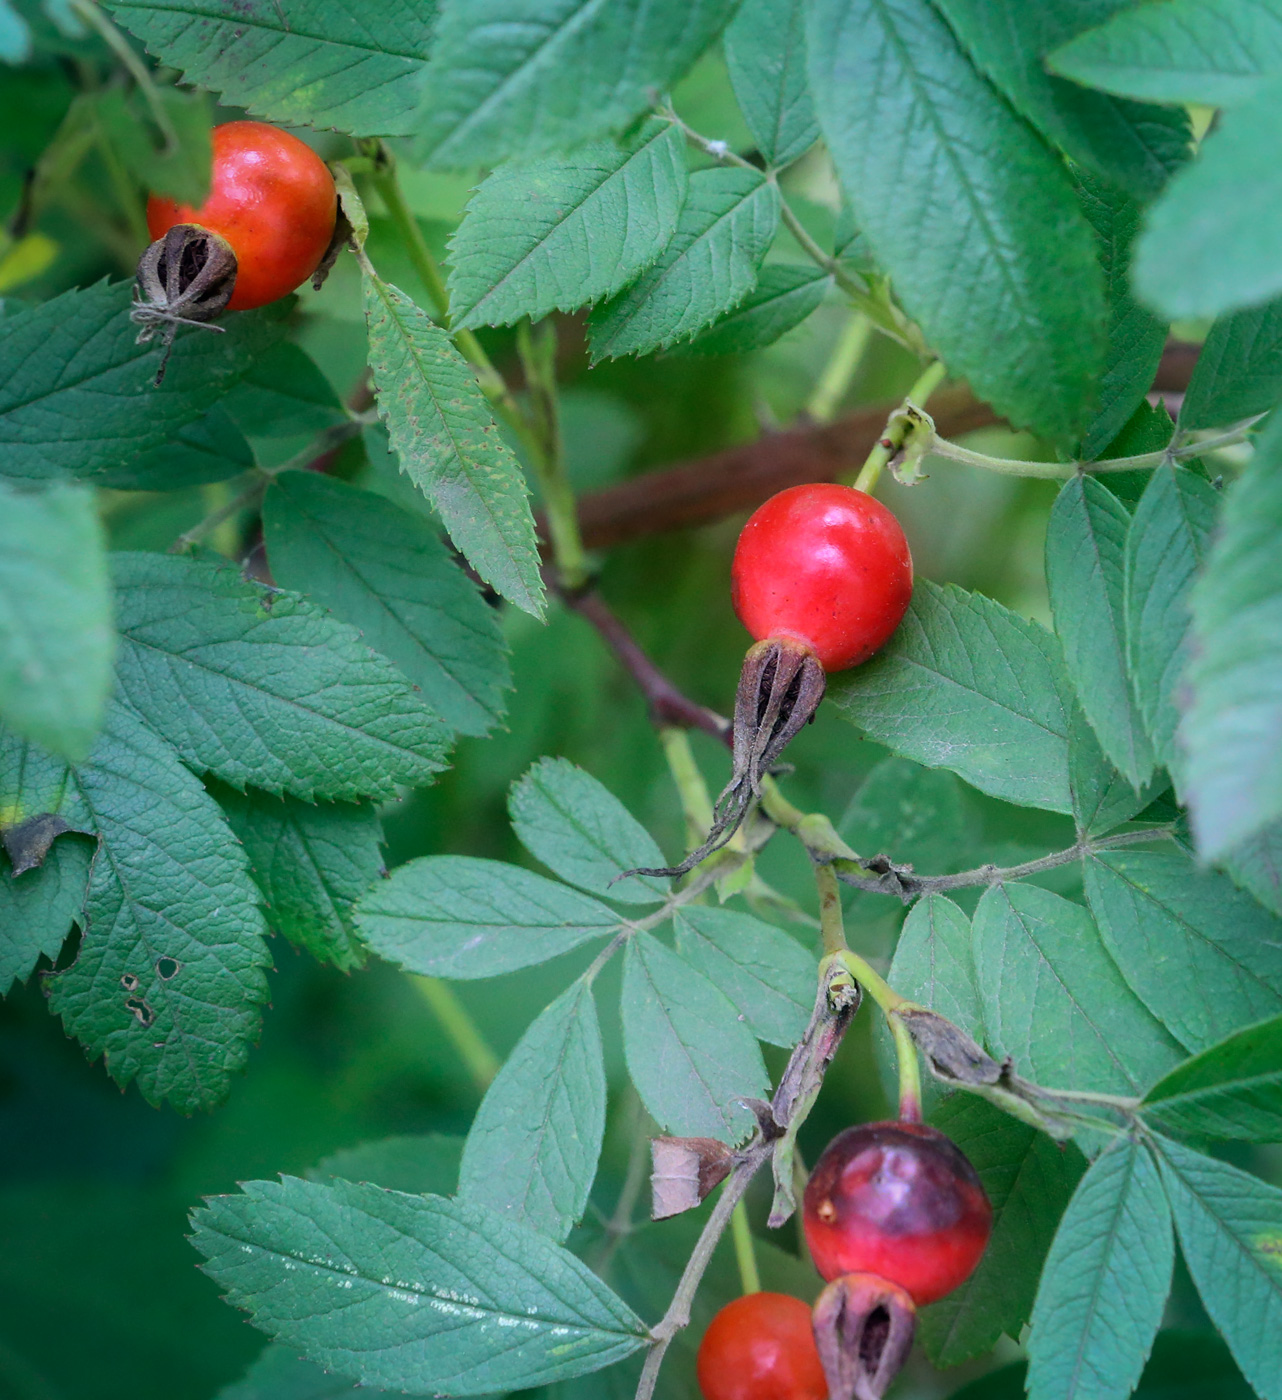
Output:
x=864 y=1328
x=185 y=278
x=685 y=1171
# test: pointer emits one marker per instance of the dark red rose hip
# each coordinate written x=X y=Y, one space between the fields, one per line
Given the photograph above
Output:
x=901 y=1201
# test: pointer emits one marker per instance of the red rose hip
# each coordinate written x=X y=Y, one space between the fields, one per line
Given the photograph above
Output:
x=760 y=1347
x=901 y=1201
x=824 y=565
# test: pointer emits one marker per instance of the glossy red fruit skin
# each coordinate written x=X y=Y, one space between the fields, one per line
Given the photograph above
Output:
x=272 y=199
x=761 y=1347
x=898 y=1200
x=827 y=566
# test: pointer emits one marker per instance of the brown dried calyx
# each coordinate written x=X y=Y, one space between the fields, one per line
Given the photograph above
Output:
x=864 y=1328
x=185 y=278
x=780 y=688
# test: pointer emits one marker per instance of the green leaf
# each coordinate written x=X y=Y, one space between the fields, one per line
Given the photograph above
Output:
x=1105 y=1283
x=1133 y=146
x=410 y=1292
x=1256 y=865
x=280 y=1374
x=532 y=1150
x=1164 y=550
x=1149 y=429
x=970 y=214
x=1232 y=1090
x=1203 y=957
x=1029 y=1180
x=455 y=916
x=311 y=863
x=180 y=170
x=768 y=976
x=525 y=77
x=304 y=62
x=1054 y=1000
x=934 y=964
x=1102 y=797
x=1212 y=52
x=1206 y=249
x=968 y=685
x=765 y=46
x=421 y=1163
x=563 y=232
x=1086 y=576
x=1229 y=1233
x=212 y=448
x=727 y=223
x=284 y=394
x=76 y=393
x=785 y=294
x=448 y=444
x=56 y=637
x=1231 y=730
x=385 y=571
x=1135 y=336
x=690 y=1056
x=265 y=688
x=169 y=979
x=583 y=833
x=38 y=906
x=1239 y=372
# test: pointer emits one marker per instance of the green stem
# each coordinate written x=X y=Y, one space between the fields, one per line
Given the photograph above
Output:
x=696 y=804
x=838 y=373
x=891 y=440
x=909 y=1071
x=482 y=1063
x=744 y=1253
x=137 y=69
x=243 y=500
x=537 y=348
x=831 y=928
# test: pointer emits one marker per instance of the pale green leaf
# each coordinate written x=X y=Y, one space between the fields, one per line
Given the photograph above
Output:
x=386 y=572
x=422 y=1163
x=727 y=223
x=1239 y=371
x=691 y=1058
x=455 y=916
x=56 y=637
x=1105 y=1283
x=1202 y=956
x=934 y=964
x=566 y=231
x=971 y=215
x=580 y=830
x=265 y=688
x=968 y=685
x=765 y=46
x=532 y=1150
x=449 y=445
x=1232 y=1090
x=410 y=1292
x=1231 y=729
x=1256 y=865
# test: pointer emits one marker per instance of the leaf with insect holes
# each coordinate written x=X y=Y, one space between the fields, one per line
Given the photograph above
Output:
x=449 y=445
x=311 y=862
x=265 y=688
x=690 y=1056
x=765 y=47
x=532 y=1150
x=527 y=77
x=968 y=685
x=38 y=906
x=408 y=1292
x=76 y=392
x=1232 y=1090
x=1170 y=926
x=301 y=62
x=1105 y=1283
x=169 y=980
x=566 y=231
x=456 y=916
x=580 y=830
x=965 y=208
x=727 y=224
x=1230 y=733
x=385 y=571
x=56 y=639
x=1086 y=577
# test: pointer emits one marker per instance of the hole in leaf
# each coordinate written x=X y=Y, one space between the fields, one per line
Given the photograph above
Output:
x=129 y=982
x=142 y=1012
x=167 y=968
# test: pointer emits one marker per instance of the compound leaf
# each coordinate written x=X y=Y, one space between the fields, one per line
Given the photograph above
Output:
x=265 y=688
x=532 y=1150
x=384 y=570
x=409 y=1292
